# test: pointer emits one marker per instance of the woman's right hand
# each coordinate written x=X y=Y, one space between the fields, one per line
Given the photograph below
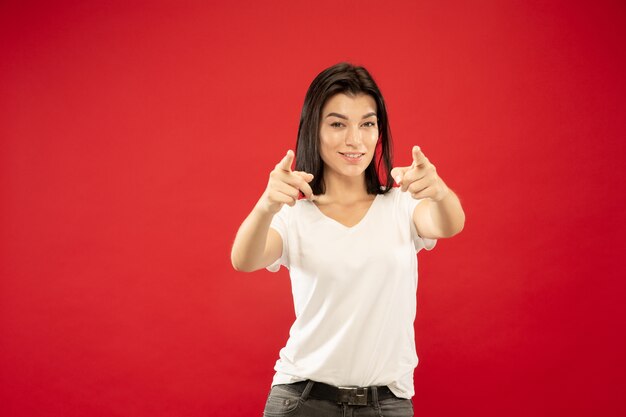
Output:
x=285 y=185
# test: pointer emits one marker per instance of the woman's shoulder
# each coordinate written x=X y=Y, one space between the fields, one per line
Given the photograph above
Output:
x=392 y=194
x=395 y=198
x=301 y=207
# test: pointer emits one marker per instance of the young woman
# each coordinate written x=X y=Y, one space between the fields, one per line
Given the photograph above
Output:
x=350 y=246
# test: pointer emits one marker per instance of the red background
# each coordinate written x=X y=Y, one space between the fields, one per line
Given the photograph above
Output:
x=136 y=137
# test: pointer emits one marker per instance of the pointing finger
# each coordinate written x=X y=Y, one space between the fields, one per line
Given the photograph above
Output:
x=285 y=163
x=418 y=156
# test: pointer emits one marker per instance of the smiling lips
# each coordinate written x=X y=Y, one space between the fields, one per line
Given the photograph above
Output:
x=353 y=157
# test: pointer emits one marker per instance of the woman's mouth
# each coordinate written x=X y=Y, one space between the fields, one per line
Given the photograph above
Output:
x=352 y=157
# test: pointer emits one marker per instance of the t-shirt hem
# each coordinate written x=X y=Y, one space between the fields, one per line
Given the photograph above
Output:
x=280 y=378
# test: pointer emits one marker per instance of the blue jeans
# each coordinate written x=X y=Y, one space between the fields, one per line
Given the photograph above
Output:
x=286 y=401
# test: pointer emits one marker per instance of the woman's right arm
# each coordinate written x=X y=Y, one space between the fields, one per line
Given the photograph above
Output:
x=257 y=246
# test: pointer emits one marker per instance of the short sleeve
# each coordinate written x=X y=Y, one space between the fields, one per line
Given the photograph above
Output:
x=279 y=223
x=418 y=241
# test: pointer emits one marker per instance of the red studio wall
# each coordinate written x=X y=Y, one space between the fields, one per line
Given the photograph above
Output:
x=136 y=136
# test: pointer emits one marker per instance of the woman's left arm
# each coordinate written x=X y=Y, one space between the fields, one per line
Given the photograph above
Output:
x=440 y=215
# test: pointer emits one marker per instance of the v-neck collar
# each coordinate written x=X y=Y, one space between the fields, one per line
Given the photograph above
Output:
x=369 y=209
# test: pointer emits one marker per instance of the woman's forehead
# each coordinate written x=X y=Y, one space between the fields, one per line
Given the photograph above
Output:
x=346 y=104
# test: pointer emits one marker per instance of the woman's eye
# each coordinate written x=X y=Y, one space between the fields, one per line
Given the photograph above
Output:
x=336 y=124
x=369 y=124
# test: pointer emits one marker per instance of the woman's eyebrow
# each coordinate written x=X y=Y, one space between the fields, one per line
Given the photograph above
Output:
x=341 y=116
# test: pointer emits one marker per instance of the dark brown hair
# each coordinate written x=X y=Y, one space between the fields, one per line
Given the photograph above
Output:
x=350 y=80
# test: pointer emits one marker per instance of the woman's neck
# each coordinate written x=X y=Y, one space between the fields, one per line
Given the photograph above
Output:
x=344 y=190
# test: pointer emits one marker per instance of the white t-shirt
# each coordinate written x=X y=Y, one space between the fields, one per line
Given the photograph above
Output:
x=354 y=292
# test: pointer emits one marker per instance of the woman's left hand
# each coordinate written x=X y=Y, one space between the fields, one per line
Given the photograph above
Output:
x=420 y=179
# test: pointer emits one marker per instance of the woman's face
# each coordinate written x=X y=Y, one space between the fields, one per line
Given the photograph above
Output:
x=348 y=134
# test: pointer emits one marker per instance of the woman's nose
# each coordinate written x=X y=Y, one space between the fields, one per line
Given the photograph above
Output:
x=353 y=136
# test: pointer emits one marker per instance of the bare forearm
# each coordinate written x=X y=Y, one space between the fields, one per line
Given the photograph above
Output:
x=447 y=214
x=249 y=246
x=255 y=247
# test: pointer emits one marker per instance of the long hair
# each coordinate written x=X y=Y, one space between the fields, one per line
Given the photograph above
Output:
x=350 y=80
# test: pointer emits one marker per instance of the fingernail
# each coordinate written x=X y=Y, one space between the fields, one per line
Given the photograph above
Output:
x=398 y=179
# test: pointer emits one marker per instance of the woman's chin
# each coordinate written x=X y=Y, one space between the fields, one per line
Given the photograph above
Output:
x=352 y=172
x=348 y=171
